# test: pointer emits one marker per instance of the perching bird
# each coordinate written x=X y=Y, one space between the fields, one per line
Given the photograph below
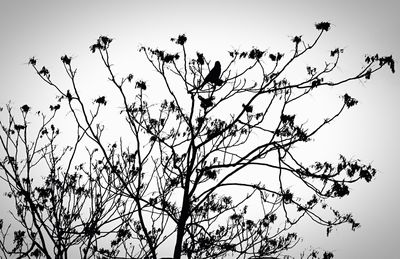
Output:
x=213 y=76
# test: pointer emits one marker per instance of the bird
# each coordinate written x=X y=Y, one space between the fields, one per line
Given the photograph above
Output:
x=213 y=76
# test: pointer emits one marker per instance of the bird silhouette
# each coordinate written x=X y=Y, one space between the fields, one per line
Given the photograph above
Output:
x=213 y=76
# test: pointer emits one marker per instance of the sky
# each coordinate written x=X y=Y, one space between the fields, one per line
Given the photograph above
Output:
x=50 y=29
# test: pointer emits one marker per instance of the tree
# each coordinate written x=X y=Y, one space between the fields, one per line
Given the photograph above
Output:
x=189 y=181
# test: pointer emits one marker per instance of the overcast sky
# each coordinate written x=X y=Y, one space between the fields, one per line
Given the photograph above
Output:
x=49 y=29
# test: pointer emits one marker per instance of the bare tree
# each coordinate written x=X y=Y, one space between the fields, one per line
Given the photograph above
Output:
x=206 y=173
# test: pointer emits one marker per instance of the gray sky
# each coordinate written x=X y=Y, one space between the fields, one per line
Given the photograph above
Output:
x=49 y=29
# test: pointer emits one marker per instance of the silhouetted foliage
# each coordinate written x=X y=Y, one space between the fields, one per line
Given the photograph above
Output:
x=185 y=178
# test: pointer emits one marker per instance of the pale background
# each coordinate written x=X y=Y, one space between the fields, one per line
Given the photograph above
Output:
x=49 y=29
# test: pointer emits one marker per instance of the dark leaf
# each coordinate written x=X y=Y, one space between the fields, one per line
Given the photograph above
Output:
x=296 y=39
x=368 y=74
x=55 y=107
x=256 y=54
x=130 y=77
x=44 y=71
x=181 y=40
x=19 y=127
x=32 y=61
x=206 y=102
x=243 y=55
x=104 y=41
x=141 y=85
x=25 y=108
x=212 y=174
x=365 y=174
x=66 y=60
x=287 y=197
x=349 y=101
x=94 y=47
x=247 y=108
x=279 y=56
x=327 y=255
x=69 y=96
x=200 y=58
x=340 y=189
x=101 y=100
x=323 y=26
x=36 y=253
x=288 y=119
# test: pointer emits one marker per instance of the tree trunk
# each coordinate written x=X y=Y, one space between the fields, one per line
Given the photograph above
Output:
x=181 y=227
